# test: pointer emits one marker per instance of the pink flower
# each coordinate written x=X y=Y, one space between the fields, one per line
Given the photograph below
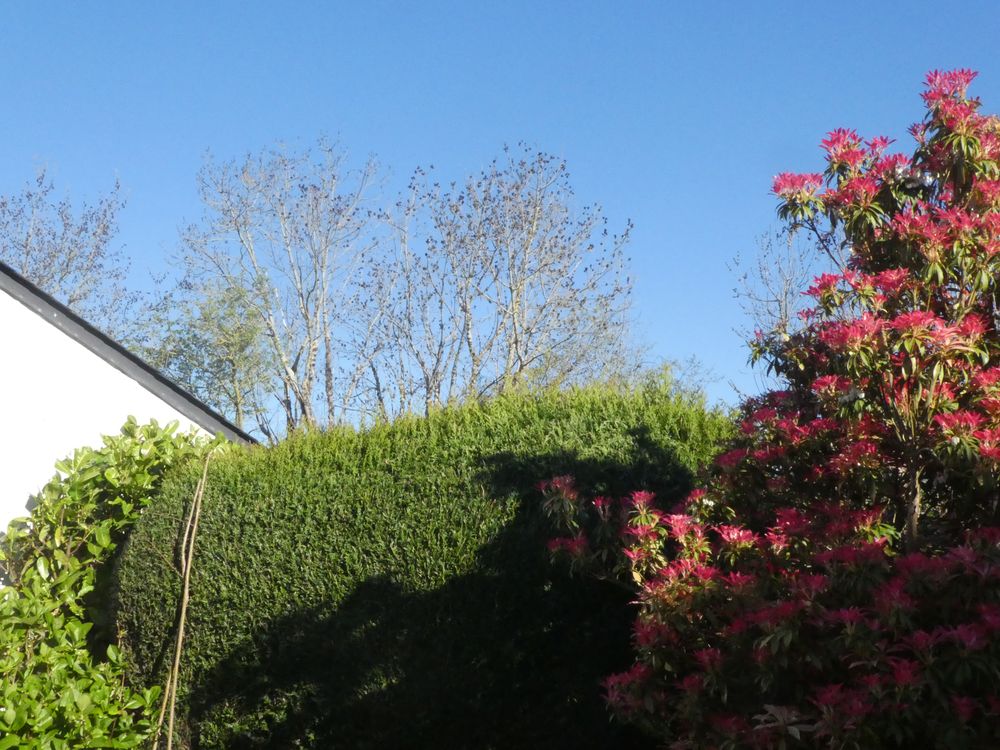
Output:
x=987 y=379
x=575 y=546
x=859 y=191
x=791 y=521
x=809 y=584
x=738 y=580
x=893 y=596
x=866 y=553
x=709 y=659
x=965 y=557
x=821 y=425
x=731 y=459
x=679 y=524
x=649 y=633
x=988 y=535
x=622 y=689
x=564 y=485
x=947 y=83
x=989 y=190
x=990 y=405
x=846 y=616
x=923 y=641
x=643 y=533
x=778 y=613
x=964 y=707
x=851 y=334
x=892 y=167
x=829 y=696
x=905 y=672
x=770 y=453
x=960 y=423
x=972 y=637
x=918 y=320
x=693 y=683
x=798 y=187
x=918 y=564
x=990 y=615
x=735 y=535
x=958 y=115
x=843 y=147
x=972 y=327
x=695 y=497
x=636 y=554
x=919 y=132
x=958 y=221
x=862 y=453
x=824 y=284
x=776 y=539
x=640 y=500
x=764 y=415
x=856 y=705
x=878 y=144
x=704 y=572
x=831 y=385
x=736 y=626
x=891 y=280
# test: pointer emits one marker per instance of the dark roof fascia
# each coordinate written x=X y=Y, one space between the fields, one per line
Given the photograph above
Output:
x=116 y=355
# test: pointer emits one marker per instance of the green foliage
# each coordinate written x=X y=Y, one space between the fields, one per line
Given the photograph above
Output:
x=61 y=680
x=386 y=588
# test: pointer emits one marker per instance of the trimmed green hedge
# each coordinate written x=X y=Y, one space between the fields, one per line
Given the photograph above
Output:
x=391 y=587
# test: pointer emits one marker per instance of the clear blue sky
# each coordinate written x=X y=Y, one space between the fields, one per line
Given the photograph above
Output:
x=675 y=115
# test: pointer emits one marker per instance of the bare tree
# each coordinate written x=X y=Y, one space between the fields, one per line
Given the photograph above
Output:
x=497 y=282
x=287 y=231
x=68 y=252
x=455 y=293
x=769 y=287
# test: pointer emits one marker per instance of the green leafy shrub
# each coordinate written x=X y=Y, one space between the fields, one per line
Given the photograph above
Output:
x=54 y=692
x=385 y=588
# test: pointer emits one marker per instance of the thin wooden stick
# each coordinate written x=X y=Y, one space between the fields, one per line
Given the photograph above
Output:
x=187 y=556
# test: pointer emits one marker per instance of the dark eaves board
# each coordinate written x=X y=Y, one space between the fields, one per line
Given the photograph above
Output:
x=116 y=355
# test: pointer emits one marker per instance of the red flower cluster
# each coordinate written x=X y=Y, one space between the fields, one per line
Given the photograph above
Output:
x=836 y=583
x=793 y=186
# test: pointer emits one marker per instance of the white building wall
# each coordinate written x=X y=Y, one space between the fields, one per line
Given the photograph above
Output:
x=56 y=395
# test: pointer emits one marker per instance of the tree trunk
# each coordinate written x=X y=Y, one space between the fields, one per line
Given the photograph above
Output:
x=913 y=510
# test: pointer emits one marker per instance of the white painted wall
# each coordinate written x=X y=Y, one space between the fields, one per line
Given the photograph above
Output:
x=56 y=395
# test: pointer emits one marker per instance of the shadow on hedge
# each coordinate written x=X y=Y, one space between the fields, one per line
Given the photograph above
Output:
x=652 y=468
x=509 y=656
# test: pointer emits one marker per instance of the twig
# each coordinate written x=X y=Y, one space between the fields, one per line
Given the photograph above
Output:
x=187 y=556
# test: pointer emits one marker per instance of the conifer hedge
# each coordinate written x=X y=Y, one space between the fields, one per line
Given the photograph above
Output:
x=390 y=587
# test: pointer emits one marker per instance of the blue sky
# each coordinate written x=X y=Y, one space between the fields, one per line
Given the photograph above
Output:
x=675 y=115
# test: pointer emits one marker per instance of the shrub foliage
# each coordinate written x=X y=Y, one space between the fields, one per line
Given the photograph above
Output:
x=386 y=588
x=836 y=584
x=61 y=674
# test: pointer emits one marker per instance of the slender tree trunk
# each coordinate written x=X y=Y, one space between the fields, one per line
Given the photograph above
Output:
x=914 y=507
x=238 y=404
x=331 y=407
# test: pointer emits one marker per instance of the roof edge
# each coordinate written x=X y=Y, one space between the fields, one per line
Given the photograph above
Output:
x=154 y=381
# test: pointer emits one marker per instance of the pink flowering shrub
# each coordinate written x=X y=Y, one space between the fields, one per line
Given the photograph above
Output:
x=836 y=583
